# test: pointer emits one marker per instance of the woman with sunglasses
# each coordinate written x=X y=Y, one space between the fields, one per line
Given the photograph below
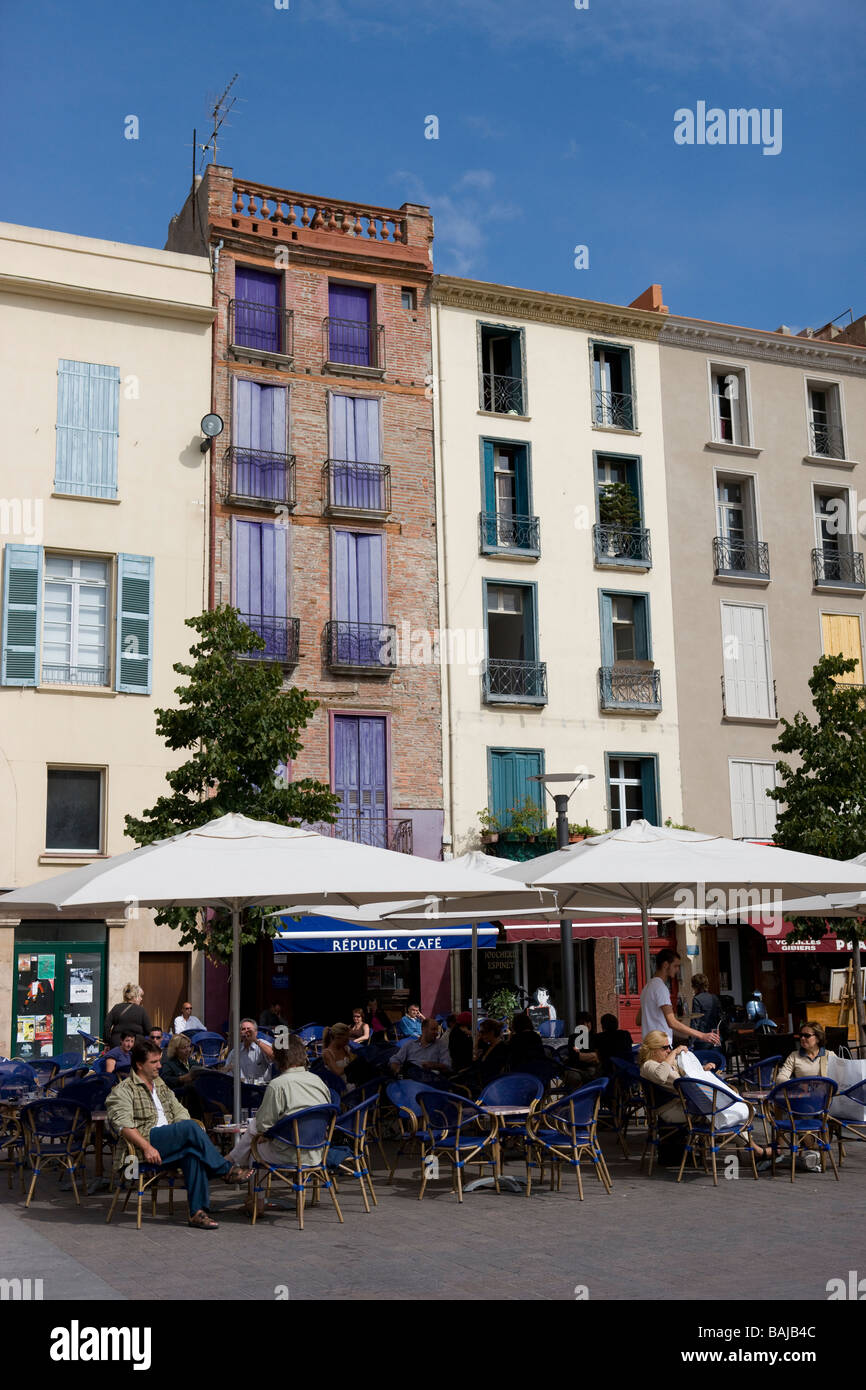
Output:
x=658 y=1063
x=811 y=1057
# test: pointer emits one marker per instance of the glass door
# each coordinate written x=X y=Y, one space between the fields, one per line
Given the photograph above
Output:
x=59 y=988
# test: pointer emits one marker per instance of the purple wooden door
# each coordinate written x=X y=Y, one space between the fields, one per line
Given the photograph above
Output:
x=359 y=597
x=354 y=448
x=349 y=330
x=260 y=467
x=258 y=321
x=360 y=778
x=260 y=570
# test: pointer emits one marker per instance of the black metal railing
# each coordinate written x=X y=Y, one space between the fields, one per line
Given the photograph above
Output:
x=499 y=530
x=258 y=475
x=773 y=704
x=517 y=681
x=353 y=343
x=614 y=544
x=356 y=487
x=614 y=408
x=502 y=395
x=382 y=832
x=839 y=567
x=368 y=645
x=741 y=557
x=627 y=686
x=74 y=675
x=826 y=440
x=261 y=327
x=282 y=638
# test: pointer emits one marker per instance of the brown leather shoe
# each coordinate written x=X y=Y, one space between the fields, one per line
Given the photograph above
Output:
x=202 y=1221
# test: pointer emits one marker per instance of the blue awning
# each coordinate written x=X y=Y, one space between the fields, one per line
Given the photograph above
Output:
x=338 y=938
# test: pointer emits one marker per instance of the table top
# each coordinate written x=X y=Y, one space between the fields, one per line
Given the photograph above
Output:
x=756 y=1093
x=230 y=1129
x=506 y=1109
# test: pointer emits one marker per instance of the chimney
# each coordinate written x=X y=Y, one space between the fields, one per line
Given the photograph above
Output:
x=651 y=299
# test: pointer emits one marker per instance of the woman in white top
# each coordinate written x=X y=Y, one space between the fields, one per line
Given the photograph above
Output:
x=659 y=1063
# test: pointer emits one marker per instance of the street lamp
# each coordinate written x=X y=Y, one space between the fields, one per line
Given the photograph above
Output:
x=560 y=801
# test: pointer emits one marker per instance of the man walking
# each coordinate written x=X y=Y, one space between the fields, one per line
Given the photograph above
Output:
x=656 y=1012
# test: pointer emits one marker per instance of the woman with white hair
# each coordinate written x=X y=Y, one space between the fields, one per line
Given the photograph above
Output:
x=664 y=1065
x=127 y=1017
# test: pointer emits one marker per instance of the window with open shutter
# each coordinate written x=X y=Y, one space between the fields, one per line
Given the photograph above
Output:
x=88 y=405
x=134 y=661
x=22 y=614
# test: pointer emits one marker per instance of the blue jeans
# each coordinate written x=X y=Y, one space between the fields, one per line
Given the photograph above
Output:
x=185 y=1143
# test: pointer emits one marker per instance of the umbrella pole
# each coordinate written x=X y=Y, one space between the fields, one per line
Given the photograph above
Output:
x=644 y=931
x=236 y=1013
x=474 y=985
x=857 y=982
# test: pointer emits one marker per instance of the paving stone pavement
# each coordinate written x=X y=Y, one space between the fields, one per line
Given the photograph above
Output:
x=743 y=1240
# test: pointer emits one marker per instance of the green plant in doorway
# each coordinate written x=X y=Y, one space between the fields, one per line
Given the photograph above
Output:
x=502 y=1004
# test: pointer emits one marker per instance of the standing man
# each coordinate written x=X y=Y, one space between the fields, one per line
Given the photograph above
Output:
x=656 y=1012
x=187 y=1022
x=256 y=1054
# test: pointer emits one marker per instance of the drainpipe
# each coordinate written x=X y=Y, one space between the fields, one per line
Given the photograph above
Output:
x=438 y=455
x=210 y=490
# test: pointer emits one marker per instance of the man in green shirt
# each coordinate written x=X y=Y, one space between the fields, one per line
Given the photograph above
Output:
x=293 y=1089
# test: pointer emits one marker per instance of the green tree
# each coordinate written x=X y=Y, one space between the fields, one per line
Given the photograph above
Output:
x=243 y=728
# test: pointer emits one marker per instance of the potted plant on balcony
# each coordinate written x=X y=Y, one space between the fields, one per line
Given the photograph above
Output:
x=619 y=513
x=576 y=833
x=525 y=822
x=490 y=827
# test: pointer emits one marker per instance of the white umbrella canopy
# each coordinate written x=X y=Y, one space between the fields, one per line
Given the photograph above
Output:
x=234 y=862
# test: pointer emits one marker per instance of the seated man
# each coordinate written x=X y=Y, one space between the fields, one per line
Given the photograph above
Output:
x=187 y=1022
x=427 y=1054
x=410 y=1024
x=117 y=1059
x=144 y=1111
x=256 y=1054
x=272 y=1017
x=293 y=1088
x=156 y=1035
x=611 y=1042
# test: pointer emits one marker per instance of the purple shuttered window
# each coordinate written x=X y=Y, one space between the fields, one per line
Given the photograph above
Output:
x=260 y=571
x=259 y=434
x=359 y=597
x=355 y=440
x=258 y=317
x=360 y=776
x=349 y=331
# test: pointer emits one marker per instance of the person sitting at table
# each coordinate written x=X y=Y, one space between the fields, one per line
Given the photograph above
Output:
x=156 y=1035
x=272 y=1017
x=378 y=1020
x=706 y=1007
x=657 y=1061
x=491 y=1058
x=145 y=1112
x=117 y=1059
x=410 y=1024
x=187 y=1021
x=418 y=1057
x=611 y=1042
x=176 y=1071
x=810 y=1059
x=525 y=1045
x=359 y=1033
x=256 y=1054
x=337 y=1056
x=459 y=1042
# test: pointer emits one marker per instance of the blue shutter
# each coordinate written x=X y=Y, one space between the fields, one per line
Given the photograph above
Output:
x=648 y=790
x=632 y=477
x=521 y=483
x=134 y=657
x=88 y=404
x=510 y=770
x=641 y=628
x=606 y=625
x=22 y=614
x=489 y=488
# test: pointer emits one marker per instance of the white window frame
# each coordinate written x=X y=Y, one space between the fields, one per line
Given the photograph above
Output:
x=103 y=803
x=770 y=717
x=825 y=383
x=716 y=367
x=621 y=783
x=738 y=475
x=751 y=762
x=110 y=562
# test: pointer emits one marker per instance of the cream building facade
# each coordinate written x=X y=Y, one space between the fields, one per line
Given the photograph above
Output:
x=104 y=375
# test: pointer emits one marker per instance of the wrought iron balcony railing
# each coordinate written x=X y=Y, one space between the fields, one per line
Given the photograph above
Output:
x=382 y=832
x=261 y=327
x=258 y=475
x=367 y=646
x=825 y=441
x=748 y=558
x=282 y=637
x=502 y=395
x=614 y=408
x=839 y=567
x=515 y=682
x=353 y=343
x=772 y=710
x=74 y=675
x=617 y=545
x=500 y=531
x=356 y=487
x=630 y=686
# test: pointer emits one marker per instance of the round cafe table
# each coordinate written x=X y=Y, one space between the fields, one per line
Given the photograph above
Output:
x=509 y=1181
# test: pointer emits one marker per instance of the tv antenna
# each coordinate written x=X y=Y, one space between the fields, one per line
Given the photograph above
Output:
x=219 y=111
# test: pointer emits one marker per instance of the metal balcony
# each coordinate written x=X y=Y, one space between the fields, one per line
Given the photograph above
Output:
x=74 y=675
x=258 y=477
x=354 y=345
x=282 y=637
x=350 y=488
x=367 y=647
x=514 y=682
x=382 y=832
x=621 y=545
x=614 y=409
x=260 y=329
x=502 y=395
x=750 y=559
x=838 y=568
x=825 y=441
x=630 y=685
x=500 y=531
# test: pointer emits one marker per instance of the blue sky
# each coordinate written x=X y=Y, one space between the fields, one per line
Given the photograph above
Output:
x=555 y=129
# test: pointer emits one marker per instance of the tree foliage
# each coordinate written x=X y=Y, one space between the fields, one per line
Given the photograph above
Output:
x=243 y=729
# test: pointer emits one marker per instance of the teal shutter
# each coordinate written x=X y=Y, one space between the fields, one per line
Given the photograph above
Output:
x=649 y=799
x=22 y=614
x=489 y=488
x=521 y=483
x=88 y=404
x=632 y=477
x=606 y=625
x=641 y=628
x=134 y=657
x=510 y=770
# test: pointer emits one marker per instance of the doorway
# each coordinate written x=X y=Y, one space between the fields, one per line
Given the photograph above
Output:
x=59 y=989
x=164 y=977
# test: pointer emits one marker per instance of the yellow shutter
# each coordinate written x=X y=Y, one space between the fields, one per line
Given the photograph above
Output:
x=842 y=637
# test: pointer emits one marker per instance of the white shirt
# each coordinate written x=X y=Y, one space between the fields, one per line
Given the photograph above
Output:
x=160 y=1113
x=255 y=1066
x=654 y=997
x=184 y=1025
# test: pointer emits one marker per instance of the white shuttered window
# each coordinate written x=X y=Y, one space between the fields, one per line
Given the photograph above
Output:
x=753 y=814
x=746 y=657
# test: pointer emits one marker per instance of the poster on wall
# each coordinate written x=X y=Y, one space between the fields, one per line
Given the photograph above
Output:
x=43 y=1028
x=76 y=1021
x=45 y=968
x=81 y=985
x=26 y=1029
x=24 y=964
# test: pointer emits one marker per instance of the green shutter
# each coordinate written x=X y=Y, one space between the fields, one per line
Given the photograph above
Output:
x=22 y=614
x=649 y=799
x=605 y=604
x=641 y=628
x=134 y=657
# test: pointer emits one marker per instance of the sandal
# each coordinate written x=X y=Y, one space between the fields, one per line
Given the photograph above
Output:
x=236 y=1174
x=202 y=1221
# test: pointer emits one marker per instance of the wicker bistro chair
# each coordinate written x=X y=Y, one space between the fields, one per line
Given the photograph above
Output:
x=565 y=1132
x=801 y=1107
x=12 y=1140
x=623 y=1101
x=403 y=1096
x=55 y=1132
x=141 y=1177
x=760 y=1074
x=15 y=1079
x=208 y=1049
x=703 y=1102
x=655 y=1098
x=303 y=1133
x=459 y=1130
x=838 y=1125
x=355 y=1127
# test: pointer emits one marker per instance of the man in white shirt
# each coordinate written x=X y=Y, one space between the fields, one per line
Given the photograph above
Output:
x=656 y=1013
x=256 y=1054
x=429 y=1052
x=187 y=1021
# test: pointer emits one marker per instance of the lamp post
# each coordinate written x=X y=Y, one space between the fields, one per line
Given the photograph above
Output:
x=566 y=944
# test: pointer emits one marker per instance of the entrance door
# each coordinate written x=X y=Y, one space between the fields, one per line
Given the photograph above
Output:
x=360 y=778
x=58 y=989
x=730 y=974
x=163 y=975
x=630 y=980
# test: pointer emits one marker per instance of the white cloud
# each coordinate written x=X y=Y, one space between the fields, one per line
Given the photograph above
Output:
x=461 y=216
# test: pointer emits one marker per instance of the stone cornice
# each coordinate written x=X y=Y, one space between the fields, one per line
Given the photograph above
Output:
x=789 y=349
x=107 y=299
x=479 y=297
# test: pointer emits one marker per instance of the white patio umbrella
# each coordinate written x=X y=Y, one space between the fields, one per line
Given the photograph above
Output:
x=672 y=872
x=235 y=862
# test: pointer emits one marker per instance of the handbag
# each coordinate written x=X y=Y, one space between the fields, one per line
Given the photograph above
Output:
x=846 y=1071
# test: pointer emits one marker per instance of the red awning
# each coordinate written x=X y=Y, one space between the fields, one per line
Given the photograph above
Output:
x=626 y=928
x=832 y=944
